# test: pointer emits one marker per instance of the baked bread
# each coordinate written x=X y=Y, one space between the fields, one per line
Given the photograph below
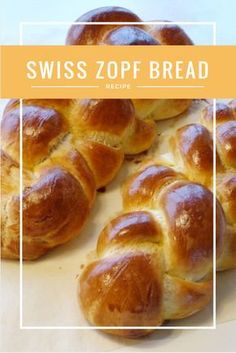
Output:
x=135 y=34
x=65 y=143
x=154 y=260
x=226 y=173
x=192 y=147
x=70 y=149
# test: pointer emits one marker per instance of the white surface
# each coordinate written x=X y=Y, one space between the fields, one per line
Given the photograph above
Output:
x=49 y=284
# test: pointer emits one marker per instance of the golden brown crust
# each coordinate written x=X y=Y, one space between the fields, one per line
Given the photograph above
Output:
x=112 y=116
x=42 y=127
x=141 y=187
x=170 y=34
x=226 y=143
x=103 y=160
x=193 y=149
x=227 y=195
x=226 y=182
x=86 y=139
x=188 y=212
x=139 y=141
x=193 y=153
x=124 y=228
x=225 y=132
x=82 y=172
x=49 y=208
x=48 y=205
x=86 y=34
x=154 y=263
x=226 y=192
x=223 y=114
x=227 y=259
x=113 y=293
x=159 y=109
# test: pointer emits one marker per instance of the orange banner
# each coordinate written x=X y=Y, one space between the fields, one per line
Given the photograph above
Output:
x=118 y=71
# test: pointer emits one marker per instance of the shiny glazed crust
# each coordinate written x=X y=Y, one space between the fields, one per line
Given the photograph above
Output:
x=192 y=148
x=154 y=260
x=135 y=34
x=226 y=174
x=65 y=144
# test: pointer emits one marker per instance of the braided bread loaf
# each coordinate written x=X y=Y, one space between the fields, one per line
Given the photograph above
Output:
x=154 y=261
x=135 y=34
x=65 y=144
x=192 y=148
x=70 y=149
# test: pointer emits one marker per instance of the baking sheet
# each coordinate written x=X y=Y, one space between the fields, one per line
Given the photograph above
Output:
x=49 y=284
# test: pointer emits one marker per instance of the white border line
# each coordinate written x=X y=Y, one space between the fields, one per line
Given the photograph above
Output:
x=47 y=86
x=177 y=86
x=55 y=23
x=214 y=212
x=151 y=86
x=21 y=216
x=118 y=328
x=22 y=327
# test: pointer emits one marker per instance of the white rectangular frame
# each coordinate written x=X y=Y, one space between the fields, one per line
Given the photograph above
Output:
x=22 y=327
